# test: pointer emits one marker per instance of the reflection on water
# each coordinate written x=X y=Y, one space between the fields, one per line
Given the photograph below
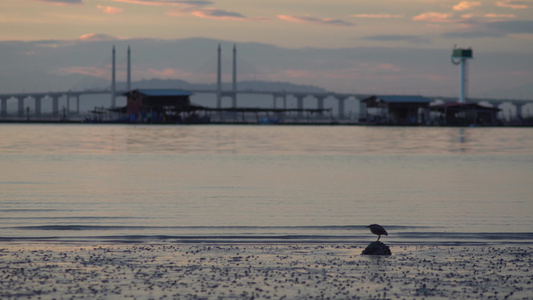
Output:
x=462 y=139
x=301 y=182
x=117 y=139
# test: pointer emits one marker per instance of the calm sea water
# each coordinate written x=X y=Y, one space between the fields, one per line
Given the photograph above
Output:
x=266 y=183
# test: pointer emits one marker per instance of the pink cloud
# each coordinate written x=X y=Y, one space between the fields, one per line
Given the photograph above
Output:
x=468 y=16
x=377 y=16
x=434 y=17
x=299 y=75
x=90 y=71
x=165 y=73
x=316 y=21
x=387 y=67
x=513 y=4
x=96 y=37
x=500 y=16
x=215 y=14
x=218 y=14
x=62 y=2
x=466 y=5
x=110 y=10
x=185 y=3
x=378 y=68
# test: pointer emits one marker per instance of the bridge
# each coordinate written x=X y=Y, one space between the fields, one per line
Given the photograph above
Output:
x=317 y=97
x=279 y=100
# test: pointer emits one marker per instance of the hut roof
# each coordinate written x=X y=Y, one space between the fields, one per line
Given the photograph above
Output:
x=463 y=107
x=160 y=92
x=398 y=99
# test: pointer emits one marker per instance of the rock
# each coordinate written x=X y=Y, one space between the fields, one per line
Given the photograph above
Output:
x=377 y=248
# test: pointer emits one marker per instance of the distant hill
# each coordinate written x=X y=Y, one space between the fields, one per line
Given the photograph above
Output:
x=36 y=66
x=256 y=85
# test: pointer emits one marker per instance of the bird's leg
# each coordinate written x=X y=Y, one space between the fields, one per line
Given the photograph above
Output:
x=379 y=236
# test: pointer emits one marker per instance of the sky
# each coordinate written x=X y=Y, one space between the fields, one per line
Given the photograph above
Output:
x=488 y=26
x=493 y=24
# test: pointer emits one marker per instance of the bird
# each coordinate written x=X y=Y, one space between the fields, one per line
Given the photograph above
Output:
x=377 y=230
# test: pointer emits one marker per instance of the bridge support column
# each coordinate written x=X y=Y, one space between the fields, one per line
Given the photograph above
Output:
x=300 y=105
x=4 y=107
x=68 y=104
x=55 y=105
x=502 y=115
x=362 y=110
x=78 y=104
x=320 y=104
x=38 y=106
x=21 y=107
x=219 y=79
x=275 y=97
x=113 y=82
x=234 y=100
x=519 y=110
x=341 y=107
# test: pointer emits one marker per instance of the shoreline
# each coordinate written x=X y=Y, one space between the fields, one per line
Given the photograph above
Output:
x=171 y=270
x=80 y=122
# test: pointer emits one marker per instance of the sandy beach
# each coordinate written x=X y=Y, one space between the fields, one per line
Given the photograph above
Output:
x=262 y=271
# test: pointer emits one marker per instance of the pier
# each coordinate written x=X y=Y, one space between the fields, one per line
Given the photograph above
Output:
x=72 y=99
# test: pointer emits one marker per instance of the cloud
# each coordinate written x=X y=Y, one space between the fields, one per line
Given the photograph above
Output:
x=316 y=21
x=387 y=68
x=466 y=5
x=359 y=70
x=62 y=2
x=500 y=16
x=211 y=13
x=300 y=75
x=398 y=38
x=513 y=4
x=52 y=43
x=165 y=73
x=175 y=14
x=218 y=14
x=377 y=16
x=434 y=17
x=110 y=10
x=471 y=34
x=511 y=27
x=187 y=3
x=98 y=72
x=92 y=37
x=143 y=73
x=468 y=16
x=493 y=30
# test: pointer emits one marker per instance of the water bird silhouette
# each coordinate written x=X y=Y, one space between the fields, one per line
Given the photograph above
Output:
x=377 y=230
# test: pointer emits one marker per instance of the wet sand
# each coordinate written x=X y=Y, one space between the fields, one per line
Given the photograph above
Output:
x=262 y=271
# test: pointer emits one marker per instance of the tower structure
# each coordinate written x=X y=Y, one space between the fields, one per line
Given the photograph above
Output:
x=234 y=76
x=461 y=57
x=129 y=69
x=219 y=79
x=113 y=80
